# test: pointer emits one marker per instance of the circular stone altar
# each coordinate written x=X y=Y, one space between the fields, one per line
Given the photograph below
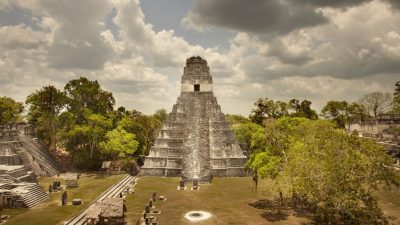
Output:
x=196 y=216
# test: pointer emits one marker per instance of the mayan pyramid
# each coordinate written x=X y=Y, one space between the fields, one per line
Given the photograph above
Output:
x=195 y=142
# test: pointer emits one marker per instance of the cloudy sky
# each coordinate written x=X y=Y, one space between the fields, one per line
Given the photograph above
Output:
x=281 y=49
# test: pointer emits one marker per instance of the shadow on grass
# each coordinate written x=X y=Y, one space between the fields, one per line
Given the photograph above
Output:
x=274 y=215
x=274 y=211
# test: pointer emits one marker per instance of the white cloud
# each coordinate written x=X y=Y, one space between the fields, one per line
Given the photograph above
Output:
x=20 y=36
x=354 y=54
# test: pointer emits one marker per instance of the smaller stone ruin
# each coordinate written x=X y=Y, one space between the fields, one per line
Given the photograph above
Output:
x=111 y=167
x=71 y=180
x=381 y=130
x=108 y=211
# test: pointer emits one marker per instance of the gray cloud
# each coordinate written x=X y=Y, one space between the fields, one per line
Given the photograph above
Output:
x=331 y=3
x=256 y=16
x=279 y=50
x=395 y=3
x=342 y=3
x=265 y=17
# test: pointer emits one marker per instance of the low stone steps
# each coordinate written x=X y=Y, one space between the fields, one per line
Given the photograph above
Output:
x=34 y=196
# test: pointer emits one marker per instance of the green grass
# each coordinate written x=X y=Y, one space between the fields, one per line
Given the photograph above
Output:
x=226 y=198
x=390 y=204
x=51 y=212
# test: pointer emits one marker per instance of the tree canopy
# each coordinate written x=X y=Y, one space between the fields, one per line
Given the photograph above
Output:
x=119 y=143
x=268 y=108
x=336 y=172
x=45 y=106
x=10 y=110
x=86 y=94
x=343 y=112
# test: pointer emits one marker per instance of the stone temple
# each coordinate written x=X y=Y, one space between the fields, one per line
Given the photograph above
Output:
x=195 y=142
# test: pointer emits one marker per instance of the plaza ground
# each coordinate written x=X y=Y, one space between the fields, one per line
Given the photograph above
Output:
x=227 y=199
x=51 y=212
x=231 y=201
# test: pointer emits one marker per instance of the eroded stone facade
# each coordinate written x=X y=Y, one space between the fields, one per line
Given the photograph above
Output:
x=195 y=142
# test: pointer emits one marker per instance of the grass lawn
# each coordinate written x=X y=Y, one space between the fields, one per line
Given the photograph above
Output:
x=51 y=212
x=227 y=199
x=390 y=204
x=230 y=201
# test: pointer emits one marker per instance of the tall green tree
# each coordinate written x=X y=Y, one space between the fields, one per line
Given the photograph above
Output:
x=86 y=94
x=45 y=106
x=268 y=108
x=84 y=139
x=10 y=110
x=303 y=109
x=343 y=113
x=337 y=111
x=89 y=116
x=294 y=106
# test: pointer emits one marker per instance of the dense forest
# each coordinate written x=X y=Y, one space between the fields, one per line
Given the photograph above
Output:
x=305 y=156
x=82 y=122
x=314 y=161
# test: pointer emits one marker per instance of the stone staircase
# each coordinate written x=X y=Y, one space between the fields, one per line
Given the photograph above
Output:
x=42 y=163
x=195 y=141
x=34 y=195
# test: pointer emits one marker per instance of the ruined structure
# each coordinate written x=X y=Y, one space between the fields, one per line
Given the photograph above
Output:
x=19 y=147
x=22 y=158
x=108 y=211
x=195 y=142
x=381 y=129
